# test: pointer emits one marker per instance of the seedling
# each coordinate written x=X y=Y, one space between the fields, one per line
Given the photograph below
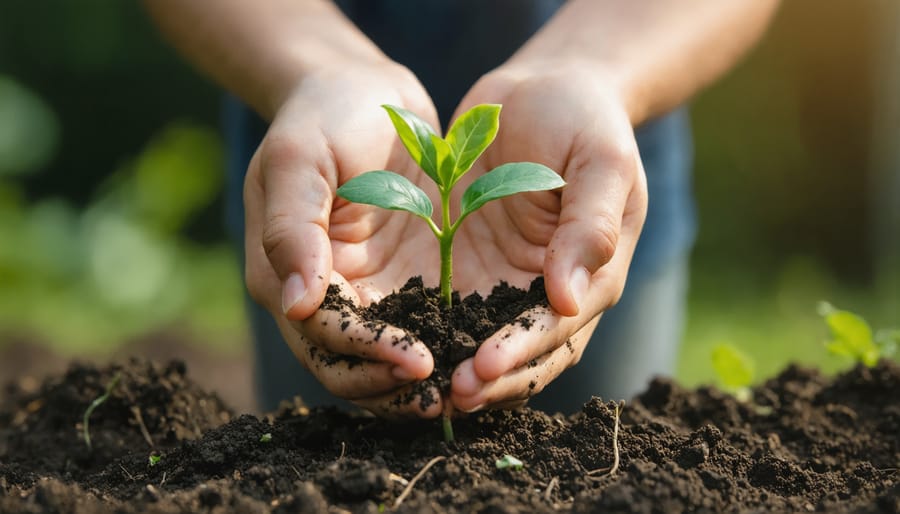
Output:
x=852 y=336
x=265 y=438
x=734 y=369
x=509 y=462
x=445 y=161
x=85 y=422
x=154 y=459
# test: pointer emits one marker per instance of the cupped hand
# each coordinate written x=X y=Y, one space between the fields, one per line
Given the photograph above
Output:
x=300 y=239
x=581 y=238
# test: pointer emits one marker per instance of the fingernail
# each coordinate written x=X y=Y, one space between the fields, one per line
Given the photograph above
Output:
x=473 y=409
x=294 y=290
x=579 y=283
x=401 y=373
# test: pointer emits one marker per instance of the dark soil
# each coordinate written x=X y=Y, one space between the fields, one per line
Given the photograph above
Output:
x=452 y=335
x=808 y=443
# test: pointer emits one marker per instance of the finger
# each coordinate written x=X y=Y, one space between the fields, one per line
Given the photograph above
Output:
x=408 y=401
x=523 y=382
x=600 y=181
x=297 y=180
x=514 y=346
x=350 y=377
x=339 y=328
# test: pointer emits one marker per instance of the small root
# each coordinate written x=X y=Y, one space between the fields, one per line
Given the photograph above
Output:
x=412 y=483
x=130 y=476
x=596 y=473
x=343 y=450
x=550 y=487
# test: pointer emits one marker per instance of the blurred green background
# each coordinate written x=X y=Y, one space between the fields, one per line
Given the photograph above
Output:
x=111 y=171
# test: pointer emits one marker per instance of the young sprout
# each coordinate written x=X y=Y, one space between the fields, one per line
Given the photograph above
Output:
x=85 y=426
x=266 y=438
x=852 y=336
x=154 y=459
x=508 y=461
x=734 y=369
x=445 y=161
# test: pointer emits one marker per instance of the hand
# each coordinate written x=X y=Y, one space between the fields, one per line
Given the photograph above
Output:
x=582 y=239
x=298 y=240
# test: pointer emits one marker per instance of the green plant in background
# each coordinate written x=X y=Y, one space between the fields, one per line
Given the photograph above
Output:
x=851 y=336
x=734 y=370
x=445 y=161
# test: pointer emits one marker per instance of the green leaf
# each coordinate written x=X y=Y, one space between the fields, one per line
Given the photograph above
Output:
x=415 y=133
x=154 y=459
x=508 y=461
x=471 y=134
x=266 y=438
x=508 y=179
x=733 y=367
x=387 y=190
x=851 y=335
x=446 y=162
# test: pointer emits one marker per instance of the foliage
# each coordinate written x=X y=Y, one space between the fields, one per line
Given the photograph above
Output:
x=851 y=336
x=265 y=438
x=154 y=459
x=734 y=370
x=445 y=161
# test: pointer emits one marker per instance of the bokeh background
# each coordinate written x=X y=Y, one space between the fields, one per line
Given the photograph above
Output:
x=111 y=172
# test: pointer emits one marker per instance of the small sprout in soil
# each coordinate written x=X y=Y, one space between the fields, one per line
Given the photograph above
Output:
x=509 y=462
x=154 y=459
x=595 y=474
x=445 y=161
x=734 y=370
x=265 y=438
x=852 y=337
x=85 y=423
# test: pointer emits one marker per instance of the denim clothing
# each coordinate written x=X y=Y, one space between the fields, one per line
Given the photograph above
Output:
x=449 y=45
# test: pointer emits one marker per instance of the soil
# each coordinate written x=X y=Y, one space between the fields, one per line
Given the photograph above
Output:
x=161 y=444
x=806 y=443
x=452 y=335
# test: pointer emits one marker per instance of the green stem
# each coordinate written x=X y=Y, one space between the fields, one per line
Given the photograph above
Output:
x=446 y=245
x=448 y=421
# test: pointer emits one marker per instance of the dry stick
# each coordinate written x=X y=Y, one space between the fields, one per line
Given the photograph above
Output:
x=615 y=467
x=140 y=420
x=415 y=479
x=343 y=450
x=297 y=472
x=552 y=485
x=130 y=476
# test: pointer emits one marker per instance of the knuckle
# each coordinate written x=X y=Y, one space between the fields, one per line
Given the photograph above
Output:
x=601 y=238
x=280 y=150
x=275 y=232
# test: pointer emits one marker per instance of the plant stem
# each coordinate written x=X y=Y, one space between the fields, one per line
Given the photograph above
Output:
x=446 y=245
x=447 y=421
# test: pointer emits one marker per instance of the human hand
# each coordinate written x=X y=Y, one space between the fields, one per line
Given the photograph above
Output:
x=581 y=238
x=298 y=240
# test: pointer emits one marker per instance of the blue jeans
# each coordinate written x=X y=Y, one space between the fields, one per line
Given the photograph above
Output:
x=636 y=339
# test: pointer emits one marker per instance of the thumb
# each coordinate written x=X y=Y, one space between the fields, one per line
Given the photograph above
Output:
x=593 y=204
x=293 y=226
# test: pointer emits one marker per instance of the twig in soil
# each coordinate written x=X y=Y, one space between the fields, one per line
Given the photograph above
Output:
x=415 y=479
x=615 y=466
x=397 y=478
x=163 y=481
x=297 y=472
x=86 y=432
x=343 y=450
x=130 y=476
x=140 y=421
x=550 y=487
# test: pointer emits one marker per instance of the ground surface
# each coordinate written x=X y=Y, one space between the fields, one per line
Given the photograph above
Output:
x=808 y=443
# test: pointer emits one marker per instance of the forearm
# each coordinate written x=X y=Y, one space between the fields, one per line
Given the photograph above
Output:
x=656 y=53
x=261 y=50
